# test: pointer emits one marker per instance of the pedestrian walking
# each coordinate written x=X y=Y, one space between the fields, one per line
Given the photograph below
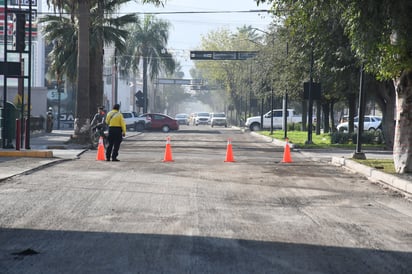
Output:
x=117 y=130
x=49 y=121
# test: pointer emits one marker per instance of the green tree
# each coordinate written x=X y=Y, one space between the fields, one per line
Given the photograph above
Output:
x=80 y=9
x=147 y=42
x=377 y=33
x=62 y=32
x=234 y=76
x=106 y=29
x=174 y=96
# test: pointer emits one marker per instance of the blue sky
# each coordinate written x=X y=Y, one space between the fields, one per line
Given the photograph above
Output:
x=187 y=29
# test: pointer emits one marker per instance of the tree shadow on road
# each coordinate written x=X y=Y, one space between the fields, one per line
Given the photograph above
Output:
x=99 y=252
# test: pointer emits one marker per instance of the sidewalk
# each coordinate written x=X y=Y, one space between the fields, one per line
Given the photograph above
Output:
x=45 y=149
x=52 y=148
x=46 y=145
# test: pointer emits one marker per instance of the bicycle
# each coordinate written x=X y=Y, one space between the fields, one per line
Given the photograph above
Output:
x=96 y=132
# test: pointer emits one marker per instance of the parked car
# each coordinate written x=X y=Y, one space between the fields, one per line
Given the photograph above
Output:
x=218 y=119
x=134 y=121
x=254 y=123
x=161 y=122
x=370 y=123
x=182 y=118
x=344 y=119
x=202 y=118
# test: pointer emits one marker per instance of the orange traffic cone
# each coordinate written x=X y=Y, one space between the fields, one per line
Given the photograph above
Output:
x=100 y=151
x=286 y=154
x=168 y=151
x=229 y=152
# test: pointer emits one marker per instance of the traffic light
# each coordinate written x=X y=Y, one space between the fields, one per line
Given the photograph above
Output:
x=140 y=99
x=19 y=32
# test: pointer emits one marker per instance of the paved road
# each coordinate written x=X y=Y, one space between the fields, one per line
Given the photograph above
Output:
x=199 y=214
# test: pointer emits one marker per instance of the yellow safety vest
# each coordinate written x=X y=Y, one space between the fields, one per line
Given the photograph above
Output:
x=115 y=119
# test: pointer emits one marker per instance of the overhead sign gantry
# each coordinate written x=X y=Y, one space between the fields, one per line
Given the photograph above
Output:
x=222 y=55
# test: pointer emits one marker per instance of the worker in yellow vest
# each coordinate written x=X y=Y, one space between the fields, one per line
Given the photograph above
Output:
x=117 y=130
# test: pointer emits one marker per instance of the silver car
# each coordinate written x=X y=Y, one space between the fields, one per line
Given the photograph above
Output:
x=370 y=123
x=182 y=118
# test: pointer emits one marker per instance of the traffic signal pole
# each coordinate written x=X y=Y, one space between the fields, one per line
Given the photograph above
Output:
x=3 y=113
x=16 y=69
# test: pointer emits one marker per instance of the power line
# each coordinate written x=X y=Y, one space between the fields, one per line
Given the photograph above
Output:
x=172 y=12
x=202 y=12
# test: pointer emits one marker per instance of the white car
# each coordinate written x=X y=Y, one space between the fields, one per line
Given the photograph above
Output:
x=218 y=119
x=253 y=123
x=134 y=121
x=202 y=118
x=370 y=123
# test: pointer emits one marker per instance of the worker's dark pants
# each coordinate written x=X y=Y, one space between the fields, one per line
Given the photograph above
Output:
x=114 y=138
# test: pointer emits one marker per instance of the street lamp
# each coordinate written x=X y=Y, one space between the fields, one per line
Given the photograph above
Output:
x=309 y=141
x=262 y=99
x=271 y=112
x=285 y=101
x=271 y=92
x=358 y=153
x=285 y=96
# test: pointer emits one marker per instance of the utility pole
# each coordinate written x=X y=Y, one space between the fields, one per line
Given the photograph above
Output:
x=309 y=141
x=114 y=82
x=271 y=112
x=358 y=153
x=285 y=101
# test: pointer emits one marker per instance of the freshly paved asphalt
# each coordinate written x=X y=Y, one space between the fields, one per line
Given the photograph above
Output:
x=52 y=148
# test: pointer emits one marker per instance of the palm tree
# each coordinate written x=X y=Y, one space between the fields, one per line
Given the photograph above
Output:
x=148 y=41
x=105 y=30
x=81 y=10
x=62 y=33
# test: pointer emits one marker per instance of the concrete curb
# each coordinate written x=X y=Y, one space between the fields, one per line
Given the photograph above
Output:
x=273 y=140
x=27 y=153
x=370 y=173
x=375 y=175
x=16 y=171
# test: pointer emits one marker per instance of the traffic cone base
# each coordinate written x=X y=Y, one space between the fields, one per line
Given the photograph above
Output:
x=286 y=154
x=100 y=151
x=229 y=152
x=168 y=152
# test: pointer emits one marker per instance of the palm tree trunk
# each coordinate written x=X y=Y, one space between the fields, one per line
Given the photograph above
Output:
x=82 y=122
x=96 y=68
x=145 y=102
x=96 y=82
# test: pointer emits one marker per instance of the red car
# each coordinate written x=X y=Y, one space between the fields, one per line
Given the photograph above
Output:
x=161 y=122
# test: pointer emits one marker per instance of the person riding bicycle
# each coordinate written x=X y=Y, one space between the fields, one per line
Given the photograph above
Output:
x=98 y=127
x=99 y=118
